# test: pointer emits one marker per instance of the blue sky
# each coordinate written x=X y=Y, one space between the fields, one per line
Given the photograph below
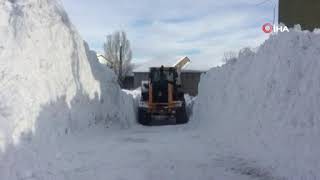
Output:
x=168 y=29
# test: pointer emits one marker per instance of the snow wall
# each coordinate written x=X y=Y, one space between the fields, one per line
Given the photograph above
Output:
x=265 y=105
x=51 y=84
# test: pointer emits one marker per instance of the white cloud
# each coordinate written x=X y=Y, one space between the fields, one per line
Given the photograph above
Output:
x=171 y=28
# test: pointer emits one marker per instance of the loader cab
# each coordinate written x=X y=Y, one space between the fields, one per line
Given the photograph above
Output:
x=163 y=74
x=160 y=78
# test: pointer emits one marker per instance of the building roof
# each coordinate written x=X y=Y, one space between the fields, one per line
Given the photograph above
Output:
x=144 y=67
x=103 y=60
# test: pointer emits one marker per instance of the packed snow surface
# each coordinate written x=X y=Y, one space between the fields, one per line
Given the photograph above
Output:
x=265 y=105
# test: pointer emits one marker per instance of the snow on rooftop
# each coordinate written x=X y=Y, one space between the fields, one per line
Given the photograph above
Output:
x=144 y=67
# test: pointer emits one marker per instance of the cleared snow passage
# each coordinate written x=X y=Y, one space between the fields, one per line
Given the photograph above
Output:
x=153 y=153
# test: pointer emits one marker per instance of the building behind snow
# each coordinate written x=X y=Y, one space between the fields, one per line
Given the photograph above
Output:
x=306 y=13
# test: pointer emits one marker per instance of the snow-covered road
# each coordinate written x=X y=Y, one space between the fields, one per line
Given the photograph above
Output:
x=256 y=117
x=150 y=153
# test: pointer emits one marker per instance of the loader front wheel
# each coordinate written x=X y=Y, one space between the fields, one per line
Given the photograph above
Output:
x=181 y=115
x=144 y=117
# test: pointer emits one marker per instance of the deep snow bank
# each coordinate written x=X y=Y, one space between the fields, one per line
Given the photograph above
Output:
x=265 y=105
x=49 y=80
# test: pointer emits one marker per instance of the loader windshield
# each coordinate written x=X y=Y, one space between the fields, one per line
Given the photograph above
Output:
x=157 y=75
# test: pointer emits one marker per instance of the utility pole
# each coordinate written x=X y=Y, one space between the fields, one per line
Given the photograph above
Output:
x=120 y=66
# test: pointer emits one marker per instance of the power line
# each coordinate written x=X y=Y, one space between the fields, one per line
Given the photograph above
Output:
x=274 y=8
x=263 y=2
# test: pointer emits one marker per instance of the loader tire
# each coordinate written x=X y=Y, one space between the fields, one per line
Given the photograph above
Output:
x=144 y=117
x=181 y=115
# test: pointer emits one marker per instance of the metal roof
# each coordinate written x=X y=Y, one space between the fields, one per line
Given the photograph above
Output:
x=144 y=67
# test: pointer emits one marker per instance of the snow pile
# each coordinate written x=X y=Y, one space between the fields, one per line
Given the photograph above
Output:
x=135 y=95
x=50 y=83
x=189 y=103
x=265 y=105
